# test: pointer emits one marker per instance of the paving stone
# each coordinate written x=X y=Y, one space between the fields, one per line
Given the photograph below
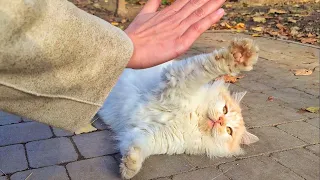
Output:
x=260 y=167
x=303 y=131
x=3 y=178
x=314 y=121
x=253 y=86
x=23 y=132
x=162 y=166
x=287 y=95
x=256 y=100
x=50 y=152
x=61 y=132
x=99 y=124
x=271 y=139
x=7 y=118
x=26 y=119
x=314 y=148
x=270 y=115
x=301 y=161
x=47 y=173
x=204 y=161
x=12 y=159
x=95 y=144
x=203 y=174
x=101 y=168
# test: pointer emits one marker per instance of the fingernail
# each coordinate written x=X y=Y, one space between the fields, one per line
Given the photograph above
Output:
x=220 y=11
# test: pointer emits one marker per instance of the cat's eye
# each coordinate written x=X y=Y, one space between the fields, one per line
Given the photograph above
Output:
x=225 y=109
x=229 y=130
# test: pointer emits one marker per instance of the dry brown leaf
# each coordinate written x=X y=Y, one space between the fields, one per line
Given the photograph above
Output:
x=231 y=79
x=270 y=98
x=256 y=35
x=228 y=5
x=115 y=23
x=240 y=26
x=259 y=19
x=220 y=40
x=278 y=11
x=302 y=72
x=280 y=26
x=290 y=19
x=259 y=29
x=308 y=40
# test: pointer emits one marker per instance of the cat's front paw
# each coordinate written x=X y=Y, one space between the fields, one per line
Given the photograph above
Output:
x=131 y=163
x=245 y=54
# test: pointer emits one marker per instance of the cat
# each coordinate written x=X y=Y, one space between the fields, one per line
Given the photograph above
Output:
x=177 y=107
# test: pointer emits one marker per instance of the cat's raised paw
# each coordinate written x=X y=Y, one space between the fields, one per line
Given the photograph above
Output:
x=131 y=163
x=245 y=53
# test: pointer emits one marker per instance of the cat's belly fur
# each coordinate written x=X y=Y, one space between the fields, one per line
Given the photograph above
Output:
x=128 y=96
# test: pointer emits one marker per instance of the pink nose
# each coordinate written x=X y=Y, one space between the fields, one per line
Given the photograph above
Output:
x=213 y=123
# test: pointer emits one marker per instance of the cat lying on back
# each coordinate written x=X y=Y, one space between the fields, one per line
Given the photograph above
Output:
x=175 y=108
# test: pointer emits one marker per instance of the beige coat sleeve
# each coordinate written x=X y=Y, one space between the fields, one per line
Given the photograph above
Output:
x=57 y=62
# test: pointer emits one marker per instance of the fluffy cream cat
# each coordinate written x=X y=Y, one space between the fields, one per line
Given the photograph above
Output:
x=177 y=108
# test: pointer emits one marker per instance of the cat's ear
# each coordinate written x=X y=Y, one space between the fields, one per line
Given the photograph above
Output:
x=238 y=96
x=248 y=138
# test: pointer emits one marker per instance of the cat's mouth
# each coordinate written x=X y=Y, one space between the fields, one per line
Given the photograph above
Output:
x=214 y=123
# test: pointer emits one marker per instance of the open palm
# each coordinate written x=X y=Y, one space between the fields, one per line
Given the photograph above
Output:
x=159 y=36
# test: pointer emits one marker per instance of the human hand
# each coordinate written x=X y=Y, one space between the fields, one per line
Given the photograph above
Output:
x=159 y=36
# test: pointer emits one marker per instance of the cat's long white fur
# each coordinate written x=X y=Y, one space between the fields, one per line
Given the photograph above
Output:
x=158 y=109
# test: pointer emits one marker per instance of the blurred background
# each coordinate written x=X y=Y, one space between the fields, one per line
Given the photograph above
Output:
x=296 y=20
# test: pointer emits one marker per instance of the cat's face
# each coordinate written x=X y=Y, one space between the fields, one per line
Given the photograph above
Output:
x=223 y=121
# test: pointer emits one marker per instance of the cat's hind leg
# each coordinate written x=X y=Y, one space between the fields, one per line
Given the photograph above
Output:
x=131 y=162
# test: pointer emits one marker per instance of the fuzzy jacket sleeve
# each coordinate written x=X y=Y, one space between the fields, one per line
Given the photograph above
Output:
x=57 y=62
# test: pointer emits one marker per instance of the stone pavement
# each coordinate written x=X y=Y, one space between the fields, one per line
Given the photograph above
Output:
x=288 y=146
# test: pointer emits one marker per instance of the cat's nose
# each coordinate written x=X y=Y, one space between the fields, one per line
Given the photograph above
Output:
x=220 y=121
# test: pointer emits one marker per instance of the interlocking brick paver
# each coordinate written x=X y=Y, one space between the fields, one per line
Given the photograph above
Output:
x=26 y=119
x=99 y=124
x=3 y=178
x=100 y=168
x=50 y=152
x=47 y=173
x=314 y=148
x=60 y=132
x=12 y=159
x=294 y=98
x=314 y=121
x=204 y=161
x=95 y=144
x=163 y=165
x=7 y=118
x=202 y=174
x=23 y=132
x=261 y=167
x=301 y=161
x=270 y=115
x=303 y=131
x=271 y=139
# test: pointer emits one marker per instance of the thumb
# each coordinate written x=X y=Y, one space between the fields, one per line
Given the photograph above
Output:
x=150 y=7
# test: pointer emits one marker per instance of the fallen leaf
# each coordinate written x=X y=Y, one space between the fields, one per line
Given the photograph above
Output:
x=231 y=79
x=220 y=40
x=115 y=23
x=259 y=29
x=228 y=5
x=302 y=72
x=290 y=19
x=270 y=98
x=310 y=35
x=240 y=26
x=259 y=19
x=256 y=35
x=280 y=26
x=313 y=109
x=277 y=11
x=308 y=40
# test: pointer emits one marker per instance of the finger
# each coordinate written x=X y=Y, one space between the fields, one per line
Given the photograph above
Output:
x=150 y=7
x=195 y=30
x=208 y=8
x=195 y=5
x=178 y=4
